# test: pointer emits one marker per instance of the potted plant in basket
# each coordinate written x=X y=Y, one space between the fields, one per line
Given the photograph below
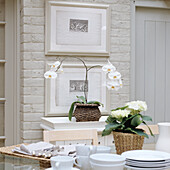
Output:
x=83 y=109
x=123 y=121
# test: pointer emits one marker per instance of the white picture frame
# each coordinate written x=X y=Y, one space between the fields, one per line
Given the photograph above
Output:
x=58 y=98
x=77 y=29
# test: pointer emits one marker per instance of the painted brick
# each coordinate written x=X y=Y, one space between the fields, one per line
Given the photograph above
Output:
x=25 y=56
x=33 y=99
x=26 y=38
x=32 y=134
x=31 y=126
x=38 y=3
x=37 y=56
x=34 y=82
x=38 y=21
x=33 y=12
x=26 y=20
x=38 y=108
x=39 y=91
x=38 y=73
x=26 y=73
x=32 y=117
x=34 y=29
x=26 y=90
x=38 y=38
x=26 y=3
x=27 y=108
x=121 y=7
x=36 y=47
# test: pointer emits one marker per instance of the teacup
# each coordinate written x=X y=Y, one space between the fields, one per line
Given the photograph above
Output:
x=85 y=150
x=62 y=162
x=103 y=149
x=82 y=162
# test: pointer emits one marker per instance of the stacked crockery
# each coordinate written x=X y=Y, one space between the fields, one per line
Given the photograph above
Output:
x=82 y=156
x=107 y=161
x=147 y=159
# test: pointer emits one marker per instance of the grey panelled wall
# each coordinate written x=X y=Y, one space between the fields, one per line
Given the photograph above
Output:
x=153 y=61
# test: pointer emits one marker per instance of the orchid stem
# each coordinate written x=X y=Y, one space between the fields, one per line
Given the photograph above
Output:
x=86 y=73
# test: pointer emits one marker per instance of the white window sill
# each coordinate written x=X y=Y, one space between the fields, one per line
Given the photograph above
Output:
x=62 y=123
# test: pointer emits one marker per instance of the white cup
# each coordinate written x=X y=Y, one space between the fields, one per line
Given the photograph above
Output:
x=103 y=149
x=82 y=162
x=85 y=150
x=62 y=162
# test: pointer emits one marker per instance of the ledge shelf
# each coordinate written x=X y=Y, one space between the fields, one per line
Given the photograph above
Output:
x=62 y=123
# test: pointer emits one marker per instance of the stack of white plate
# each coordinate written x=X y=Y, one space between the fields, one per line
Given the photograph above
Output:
x=107 y=161
x=147 y=159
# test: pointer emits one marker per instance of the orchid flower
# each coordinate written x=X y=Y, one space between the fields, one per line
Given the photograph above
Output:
x=109 y=67
x=114 y=75
x=60 y=70
x=55 y=65
x=50 y=75
x=113 y=85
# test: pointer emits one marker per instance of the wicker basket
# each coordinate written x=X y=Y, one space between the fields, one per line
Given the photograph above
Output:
x=87 y=112
x=127 y=141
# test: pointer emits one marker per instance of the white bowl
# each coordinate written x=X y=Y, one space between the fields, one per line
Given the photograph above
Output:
x=103 y=149
x=95 y=166
x=107 y=159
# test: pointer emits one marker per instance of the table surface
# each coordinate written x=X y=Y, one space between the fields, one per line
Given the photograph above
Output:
x=17 y=163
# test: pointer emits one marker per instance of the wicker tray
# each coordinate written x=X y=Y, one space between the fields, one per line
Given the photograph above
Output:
x=44 y=162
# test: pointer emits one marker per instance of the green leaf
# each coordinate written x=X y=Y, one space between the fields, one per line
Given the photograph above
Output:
x=82 y=98
x=120 y=108
x=127 y=119
x=136 y=121
x=148 y=128
x=106 y=132
x=95 y=102
x=137 y=131
x=110 y=119
x=146 y=118
x=70 y=114
x=112 y=126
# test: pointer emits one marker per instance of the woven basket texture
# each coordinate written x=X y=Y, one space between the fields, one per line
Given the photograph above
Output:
x=127 y=141
x=43 y=162
x=87 y=112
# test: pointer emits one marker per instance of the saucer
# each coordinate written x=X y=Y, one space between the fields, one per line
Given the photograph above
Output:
x=53 y=169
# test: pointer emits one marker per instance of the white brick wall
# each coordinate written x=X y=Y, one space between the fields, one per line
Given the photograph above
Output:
x=33 y=60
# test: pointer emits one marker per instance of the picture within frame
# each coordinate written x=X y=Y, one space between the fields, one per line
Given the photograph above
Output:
x=78 y=25
x=77 y=28
x=78 y=86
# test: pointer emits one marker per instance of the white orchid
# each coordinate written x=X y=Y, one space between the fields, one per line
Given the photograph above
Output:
x=55 y=65
x=109 y=67
x=50 y=75
x=114 y=75
x=120 y=83
x=60 y=70
x=113 y=85
x=120 y=114
x=137 y=105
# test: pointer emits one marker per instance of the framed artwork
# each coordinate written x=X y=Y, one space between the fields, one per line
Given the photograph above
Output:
x=62 y=91
x=77 y=29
